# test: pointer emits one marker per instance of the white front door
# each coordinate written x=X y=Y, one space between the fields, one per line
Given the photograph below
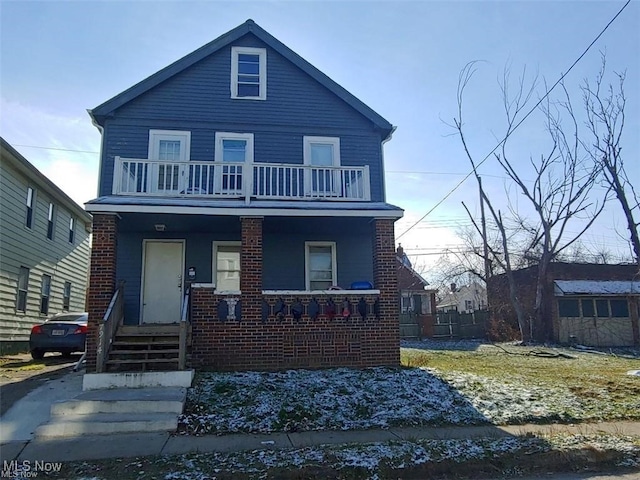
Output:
x=162 y=281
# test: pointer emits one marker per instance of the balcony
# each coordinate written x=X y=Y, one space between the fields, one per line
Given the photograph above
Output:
x=265 y=181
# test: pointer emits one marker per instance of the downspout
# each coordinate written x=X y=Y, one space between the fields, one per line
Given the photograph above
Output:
x=384 y=182
x=101 y=130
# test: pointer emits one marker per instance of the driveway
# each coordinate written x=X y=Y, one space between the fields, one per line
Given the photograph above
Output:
x=20 y=374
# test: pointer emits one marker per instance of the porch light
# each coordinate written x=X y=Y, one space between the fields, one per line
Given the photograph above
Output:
x=160 y=227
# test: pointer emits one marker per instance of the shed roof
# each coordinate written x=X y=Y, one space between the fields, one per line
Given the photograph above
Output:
x=596 y=287
x=99 y=113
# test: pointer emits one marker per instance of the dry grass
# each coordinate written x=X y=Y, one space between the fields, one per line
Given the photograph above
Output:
x=600 y=381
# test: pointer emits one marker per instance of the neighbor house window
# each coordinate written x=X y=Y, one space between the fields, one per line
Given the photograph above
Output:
x=234 y=149
x=619 y=308
x=23 y=288
x=425 y=304
x=568 y=308
x=45 y=291
x=30 y=201
x=72 y=229
x=249 y=73
x=320 y=263
x=468 y=305
x=226 y=267
x=66 y=296
x=323 y=153
x=406 y=303
x=51 y=221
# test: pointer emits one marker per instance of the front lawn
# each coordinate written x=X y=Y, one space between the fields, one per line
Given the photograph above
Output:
x=436 y=386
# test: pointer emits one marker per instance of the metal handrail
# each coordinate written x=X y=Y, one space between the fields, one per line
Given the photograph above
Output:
x=113 y=318
x=184 y=330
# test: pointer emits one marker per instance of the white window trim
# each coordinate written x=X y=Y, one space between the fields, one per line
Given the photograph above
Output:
x=307 y=265
x=220 y=136
x=214 y=262
x=262 y=53
x=156 y=135
x=335 y=141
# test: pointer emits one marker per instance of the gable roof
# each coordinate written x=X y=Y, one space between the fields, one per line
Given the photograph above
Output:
x=99 y=113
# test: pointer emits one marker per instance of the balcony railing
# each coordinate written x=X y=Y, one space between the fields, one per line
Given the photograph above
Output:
x=239 y=180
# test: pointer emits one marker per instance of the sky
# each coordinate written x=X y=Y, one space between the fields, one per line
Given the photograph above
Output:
x=402 y=58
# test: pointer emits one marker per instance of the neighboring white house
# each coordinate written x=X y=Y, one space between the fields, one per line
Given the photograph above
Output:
x=464 y=299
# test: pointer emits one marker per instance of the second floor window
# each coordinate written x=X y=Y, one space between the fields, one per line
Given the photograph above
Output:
x=51 y=221
x=322 y=153
x=249 y=73
x=169 y=150
x=72 y=229
x=30 y=202
x=45 y=291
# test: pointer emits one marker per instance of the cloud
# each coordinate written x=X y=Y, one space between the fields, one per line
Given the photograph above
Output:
x=64 y=148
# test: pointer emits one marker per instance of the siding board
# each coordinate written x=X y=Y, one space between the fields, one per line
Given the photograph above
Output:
x=198 y=100
x=30 y=248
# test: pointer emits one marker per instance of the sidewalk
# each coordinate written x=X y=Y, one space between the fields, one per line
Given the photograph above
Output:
x=19 y=423
x=133 y=445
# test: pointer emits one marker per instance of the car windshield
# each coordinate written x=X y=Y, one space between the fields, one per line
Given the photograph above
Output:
x=72 y=317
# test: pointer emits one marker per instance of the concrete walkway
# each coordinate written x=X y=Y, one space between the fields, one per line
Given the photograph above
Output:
x=143 y=444
x=18 y=425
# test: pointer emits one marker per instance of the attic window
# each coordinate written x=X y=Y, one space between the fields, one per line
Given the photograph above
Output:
x=249 y=73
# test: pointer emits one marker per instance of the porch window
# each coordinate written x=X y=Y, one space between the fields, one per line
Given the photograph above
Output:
x=320 y=265
x=226 y=265
x=45 y=291
x=23 y=288
x=249 y=73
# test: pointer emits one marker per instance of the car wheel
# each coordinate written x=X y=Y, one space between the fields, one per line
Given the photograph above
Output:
x=37 y=354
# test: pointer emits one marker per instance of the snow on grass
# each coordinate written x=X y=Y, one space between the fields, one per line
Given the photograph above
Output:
x=336 y=399
x=369 y=460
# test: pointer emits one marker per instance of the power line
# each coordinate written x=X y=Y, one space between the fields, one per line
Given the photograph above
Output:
x=519 y=123
x=54 y=148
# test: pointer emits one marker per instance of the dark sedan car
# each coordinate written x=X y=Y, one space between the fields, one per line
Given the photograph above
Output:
x=65 y=333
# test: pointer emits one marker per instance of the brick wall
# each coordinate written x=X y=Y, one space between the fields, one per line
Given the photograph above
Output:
x=102 y=278
x=264 y=341
x=279 y=343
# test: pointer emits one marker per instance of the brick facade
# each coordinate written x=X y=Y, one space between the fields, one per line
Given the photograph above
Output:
x=102 y=278
x=270 y=343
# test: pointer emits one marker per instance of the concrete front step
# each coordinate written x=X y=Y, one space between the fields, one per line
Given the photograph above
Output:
x=107 y=423
x=124 y=400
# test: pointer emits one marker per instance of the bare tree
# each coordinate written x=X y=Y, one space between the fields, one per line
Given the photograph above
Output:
x=604 y=105
x=558 y=195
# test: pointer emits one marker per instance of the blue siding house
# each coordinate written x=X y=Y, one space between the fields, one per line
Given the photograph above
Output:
x=241 y=198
